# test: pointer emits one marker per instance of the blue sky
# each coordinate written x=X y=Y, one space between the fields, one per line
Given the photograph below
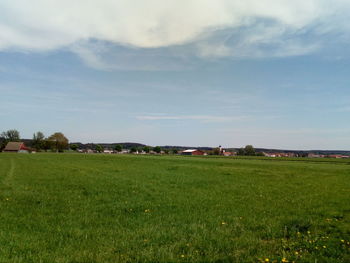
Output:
x=199 y=73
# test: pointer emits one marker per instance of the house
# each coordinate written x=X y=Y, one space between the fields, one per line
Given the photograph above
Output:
x=224 y=153
x=279 y=154
x=269 y=154
x=193 y=152
x=16 y=147
x=313 y=155
x=338 y=156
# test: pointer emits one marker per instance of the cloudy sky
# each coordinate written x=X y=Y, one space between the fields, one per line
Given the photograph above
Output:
x=272 y=73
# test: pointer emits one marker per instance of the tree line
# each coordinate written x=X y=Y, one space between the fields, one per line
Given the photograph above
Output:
x=56 y=142
x=134 y=149
x=249 y=150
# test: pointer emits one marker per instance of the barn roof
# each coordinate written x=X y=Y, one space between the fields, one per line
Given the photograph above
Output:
x=13 y=146
x=190 y=150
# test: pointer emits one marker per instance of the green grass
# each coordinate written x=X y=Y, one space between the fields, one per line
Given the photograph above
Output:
x=106 y=208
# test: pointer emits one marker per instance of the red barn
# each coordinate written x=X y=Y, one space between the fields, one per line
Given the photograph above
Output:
x=16 y=147
x=193 y=152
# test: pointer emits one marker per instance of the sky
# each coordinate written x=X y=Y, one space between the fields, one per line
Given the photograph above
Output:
x=271 y=73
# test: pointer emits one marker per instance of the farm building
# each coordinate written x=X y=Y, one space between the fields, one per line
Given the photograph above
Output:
x=193 y=152
x=16 y=147
x=224 y=153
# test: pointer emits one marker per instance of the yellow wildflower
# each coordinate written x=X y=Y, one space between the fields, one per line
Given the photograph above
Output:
x=284 y=260
x=267 y=260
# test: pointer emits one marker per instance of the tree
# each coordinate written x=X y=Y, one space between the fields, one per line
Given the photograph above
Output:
x=249 y=150
x=47 y=145
x=118 y=148
x=133 y=149
x=146 y=149
x=157 y=149
x=74 y=147
x=175 y=151
x=58 y=142
x=216 y=151
x=11 y=136
x=8 y=136
x=99 y=148
x=38 y=141
x=241 y=151
x=2 y=144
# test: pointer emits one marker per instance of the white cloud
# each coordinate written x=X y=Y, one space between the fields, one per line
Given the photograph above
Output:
x=50 y=24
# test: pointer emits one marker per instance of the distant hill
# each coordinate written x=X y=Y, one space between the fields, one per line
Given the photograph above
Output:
x=186 y=147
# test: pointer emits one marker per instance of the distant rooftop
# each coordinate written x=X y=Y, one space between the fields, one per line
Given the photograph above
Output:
x=190 y=150
x=13 y=146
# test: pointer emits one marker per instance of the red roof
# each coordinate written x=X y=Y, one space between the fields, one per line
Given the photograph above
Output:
x=15 y=147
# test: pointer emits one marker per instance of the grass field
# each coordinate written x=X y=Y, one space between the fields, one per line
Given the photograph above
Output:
x=107 y=208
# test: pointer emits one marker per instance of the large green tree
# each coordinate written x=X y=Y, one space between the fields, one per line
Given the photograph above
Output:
x=59 y=142
x=249 y=150
x=240 y=151
x=118 y=148
x=146 y=149
x=11 y=136
x=133 y=149
x=38 y=141
x=8 y=136
x=73 y=147
x=157 y=149
x=47 y=145
x=99 y=148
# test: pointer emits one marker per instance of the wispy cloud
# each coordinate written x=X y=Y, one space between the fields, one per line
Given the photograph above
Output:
x=287 y=132
x=293 y=138
x=201 y=118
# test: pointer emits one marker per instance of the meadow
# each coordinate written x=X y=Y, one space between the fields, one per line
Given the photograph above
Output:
x=78 y=208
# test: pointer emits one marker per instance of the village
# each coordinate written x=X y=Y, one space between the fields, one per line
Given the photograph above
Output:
x=20 y=147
